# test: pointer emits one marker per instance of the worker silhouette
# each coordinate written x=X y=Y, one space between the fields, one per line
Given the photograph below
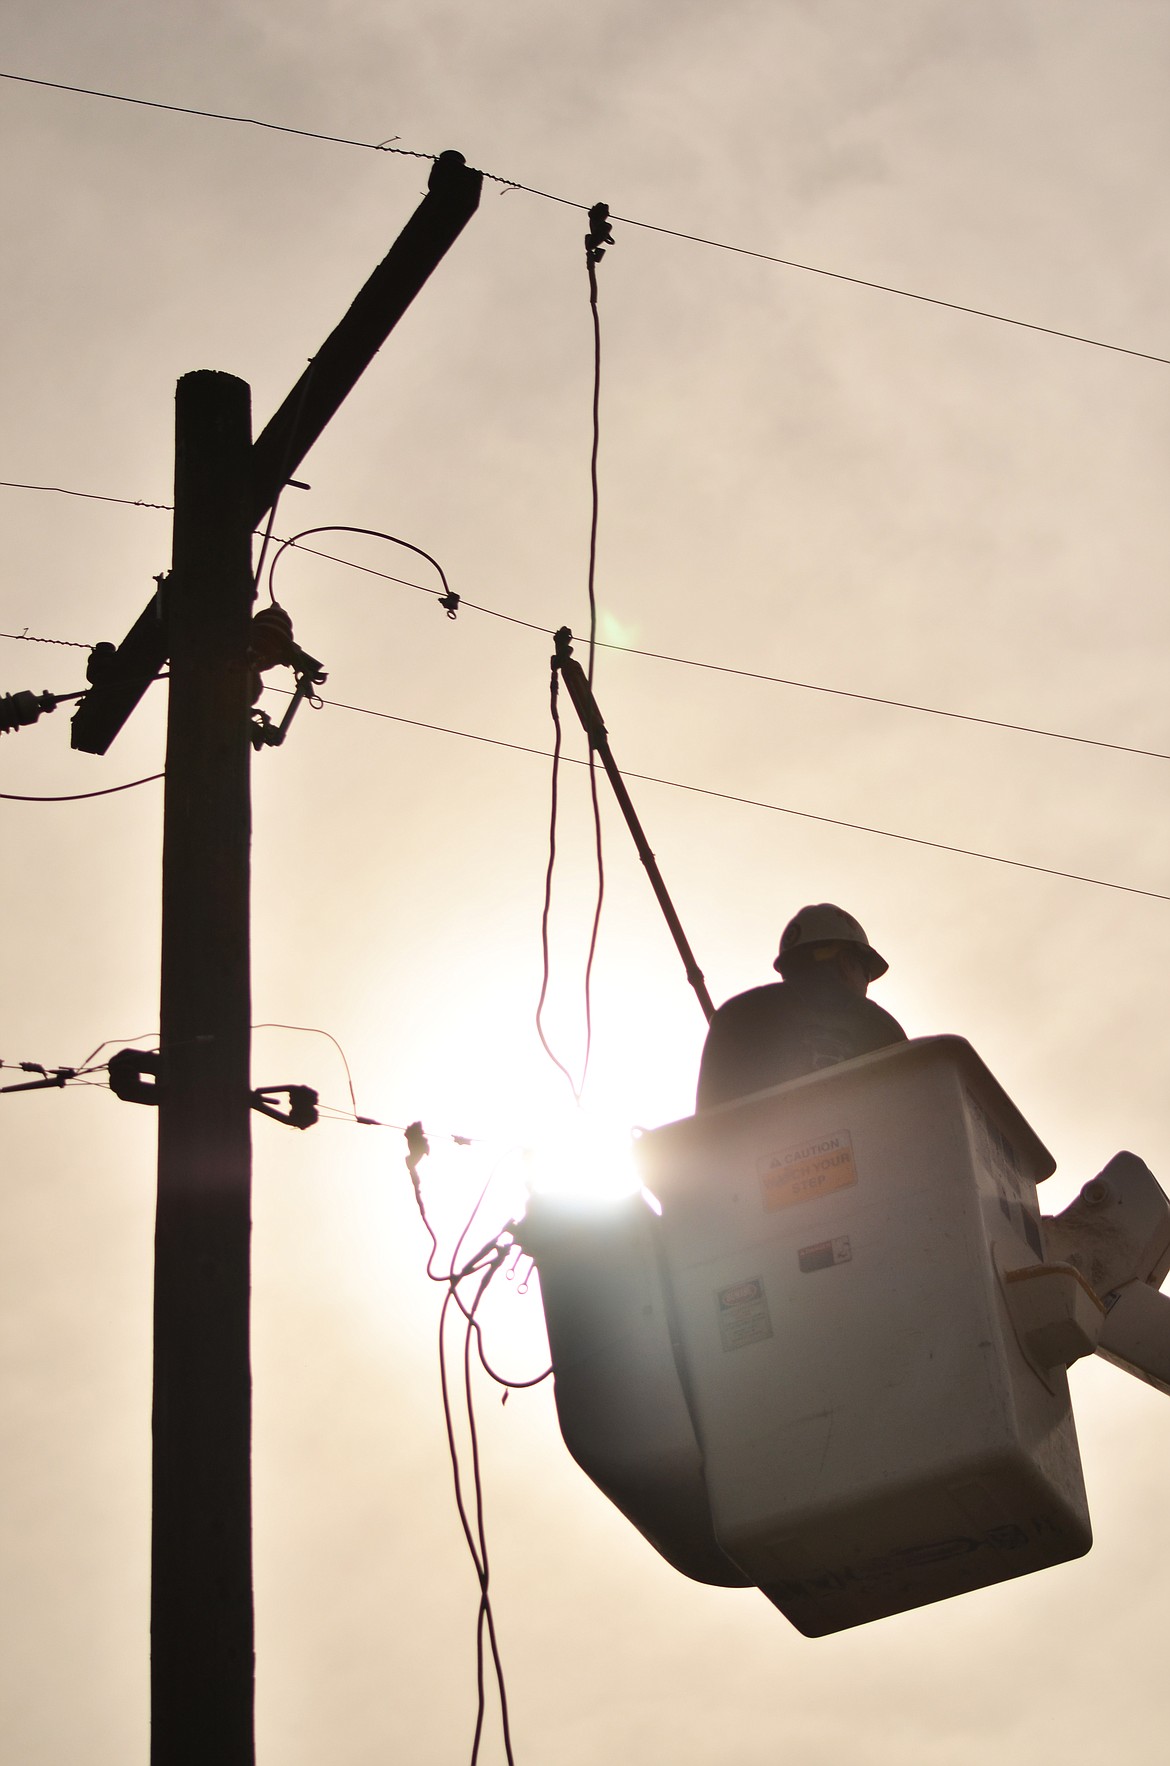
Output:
x=815 y=1016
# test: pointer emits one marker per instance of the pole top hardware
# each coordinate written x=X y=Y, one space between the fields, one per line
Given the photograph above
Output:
x=136 y=1078
x=136 y=1075
x=272 y=646
x=20 y=709
x=453 y=193
x=302 y=1104
x=58 y=1078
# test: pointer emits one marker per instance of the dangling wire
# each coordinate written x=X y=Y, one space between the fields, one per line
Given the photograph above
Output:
x=449 y=601
x=548 y=882
x=485 y=1264
x=596 y=240
x=486 y=1616
x=494 y=1252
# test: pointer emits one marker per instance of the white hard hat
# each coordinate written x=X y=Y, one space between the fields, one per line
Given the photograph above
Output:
x=822 y=923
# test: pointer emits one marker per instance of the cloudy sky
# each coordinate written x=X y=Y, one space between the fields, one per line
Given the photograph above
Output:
x=800 y=477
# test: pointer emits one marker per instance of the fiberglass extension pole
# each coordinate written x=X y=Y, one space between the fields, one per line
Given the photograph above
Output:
x=585 y=705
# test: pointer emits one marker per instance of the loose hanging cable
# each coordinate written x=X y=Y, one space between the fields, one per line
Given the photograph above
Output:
x=493 y=1253
x=448 y=601
x=548 y=881
x=485 y=1264
x=486 y=1616
x=596 y=240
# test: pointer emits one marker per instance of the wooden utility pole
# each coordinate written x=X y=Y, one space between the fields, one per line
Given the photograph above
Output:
x=201 y=1599
x=202 y=1661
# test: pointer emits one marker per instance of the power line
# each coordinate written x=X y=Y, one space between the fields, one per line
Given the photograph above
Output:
x=79 y=796
x=992 y=723
x=61 y=490
x=746 y=674
x=217 y=116
x=654 y=779
x=390 y=146
x=757 y=803
x=27 y=637
x=932 y=300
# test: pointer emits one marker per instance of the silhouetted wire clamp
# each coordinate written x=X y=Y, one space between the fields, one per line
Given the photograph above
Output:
x=59 y=1077
x=417 y=1148
x=135 y=1075
x=302 y=1104
x=599 y=234
x=580 y=692
x=450 y=603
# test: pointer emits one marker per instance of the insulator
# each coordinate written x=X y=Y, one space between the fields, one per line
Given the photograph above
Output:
x=100 y=663
x=271 y=643
x=18 y=709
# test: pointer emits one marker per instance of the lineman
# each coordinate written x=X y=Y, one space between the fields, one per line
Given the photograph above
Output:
x=815 y=1016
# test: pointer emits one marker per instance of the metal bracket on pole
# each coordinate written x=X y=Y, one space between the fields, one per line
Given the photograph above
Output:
x=264 y=732
x=586 y=707
x=302 y=1104
x=135 y=1075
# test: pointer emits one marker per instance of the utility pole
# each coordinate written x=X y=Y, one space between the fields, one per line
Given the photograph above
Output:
x=201 y=1589
x=202 y=1661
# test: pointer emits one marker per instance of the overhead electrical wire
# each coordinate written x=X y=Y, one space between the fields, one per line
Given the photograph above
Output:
x=546 y=910
x=603 y=644
x=60 y=490
x=372 y=533
x=391 y=145
x=79 y=796
x=217 y=116
x=596 y=240
x=682 y=785
x=484 y=1265
x=26 y=637
x=754 y=803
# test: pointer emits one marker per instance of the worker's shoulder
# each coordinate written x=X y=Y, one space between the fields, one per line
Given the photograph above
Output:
x=755 y=1005
x=776 y=1002
x=756 y=999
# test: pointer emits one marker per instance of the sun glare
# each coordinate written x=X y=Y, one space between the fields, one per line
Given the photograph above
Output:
x=584 y=1155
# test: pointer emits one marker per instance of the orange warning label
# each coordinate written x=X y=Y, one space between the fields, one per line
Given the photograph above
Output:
x=814 y=1168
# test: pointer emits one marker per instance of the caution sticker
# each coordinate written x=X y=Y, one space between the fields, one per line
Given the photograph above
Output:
x=801 y=1173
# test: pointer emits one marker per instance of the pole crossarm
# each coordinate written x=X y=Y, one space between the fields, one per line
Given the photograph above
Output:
x=452 y=197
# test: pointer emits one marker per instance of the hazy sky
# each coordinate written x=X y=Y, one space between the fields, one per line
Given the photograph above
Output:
x=800 y=477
